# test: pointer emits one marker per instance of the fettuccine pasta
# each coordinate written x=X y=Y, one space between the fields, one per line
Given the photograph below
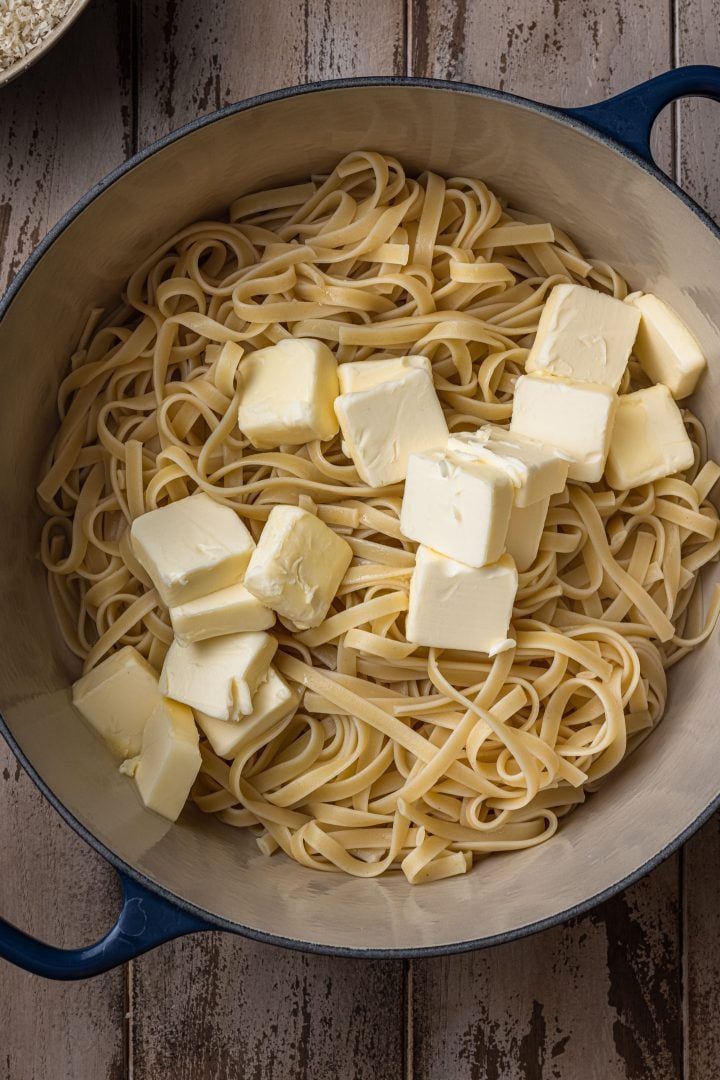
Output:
x=399 y=756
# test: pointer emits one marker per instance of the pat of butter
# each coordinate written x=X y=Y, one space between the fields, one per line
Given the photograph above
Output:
x=191 y=547
x=273 y=701
x=584 y=335
x=117 y=697
x=169 y=760
x=574 y=417
x=454 y=606
x=287 y=393
x=666 y=349
x=364 y=374
x=525 y=533
x=649 y=439
x=536 y=471
x=228 y=611
x=384 y=424
x=220 y=676
x=456 y=505
x=297 y=566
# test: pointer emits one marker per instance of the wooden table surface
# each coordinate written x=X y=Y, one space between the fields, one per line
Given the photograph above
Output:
x=628 y=992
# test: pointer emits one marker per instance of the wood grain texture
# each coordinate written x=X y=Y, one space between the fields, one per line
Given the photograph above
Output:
x=62 y=126
x=701 y=905
x=566 y=52
x=596 y=998
x=563 y=52
x=214 y=1006
x=197 y=56
x=698 y=42
x=53 y=885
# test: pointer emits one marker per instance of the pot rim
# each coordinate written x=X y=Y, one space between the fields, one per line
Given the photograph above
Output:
x=215 y=921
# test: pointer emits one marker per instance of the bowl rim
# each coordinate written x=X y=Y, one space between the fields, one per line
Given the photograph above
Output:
x=21 y=66
x=212 y=920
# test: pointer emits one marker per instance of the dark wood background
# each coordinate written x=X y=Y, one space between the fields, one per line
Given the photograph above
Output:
x=628 y=993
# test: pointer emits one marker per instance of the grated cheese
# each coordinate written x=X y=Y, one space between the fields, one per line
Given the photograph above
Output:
x=24 y=24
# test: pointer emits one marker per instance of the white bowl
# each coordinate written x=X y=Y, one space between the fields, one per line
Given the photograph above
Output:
x=20 y=66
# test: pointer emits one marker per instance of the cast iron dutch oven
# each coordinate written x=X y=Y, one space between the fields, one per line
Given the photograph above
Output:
x=589 y=170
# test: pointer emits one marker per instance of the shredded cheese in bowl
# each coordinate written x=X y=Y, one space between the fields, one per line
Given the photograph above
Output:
x=25 y=23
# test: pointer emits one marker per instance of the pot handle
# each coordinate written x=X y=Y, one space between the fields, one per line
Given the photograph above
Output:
x=145 y=920
x=629 y=117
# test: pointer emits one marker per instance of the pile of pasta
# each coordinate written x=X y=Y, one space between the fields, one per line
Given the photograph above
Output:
x=398 y=757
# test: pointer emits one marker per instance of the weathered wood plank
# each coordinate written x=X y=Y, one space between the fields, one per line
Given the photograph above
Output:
x=559 y=51
x=214 y=1006
x=62 y=126
x=199 y=56
x=698 y=42
x=55 y=886
x=598 y=997
x=701 y=923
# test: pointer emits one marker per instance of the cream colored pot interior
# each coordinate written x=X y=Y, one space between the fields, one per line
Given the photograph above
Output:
x=616 y=211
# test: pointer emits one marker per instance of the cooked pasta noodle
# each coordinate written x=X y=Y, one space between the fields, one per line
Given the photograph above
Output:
x=398 y=757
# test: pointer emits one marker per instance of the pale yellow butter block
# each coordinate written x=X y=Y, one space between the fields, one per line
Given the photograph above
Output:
x=219 y=676
x=455 y=606
x=297 y=566
x=273 y=700
x=649 y=439
x=535 y=469
x=169 y=760
x=364 y=374
x=191 y=547
x=117 y=697
x=457 y=505
x=383 y=425
x=228 y=611
x=584 y=335
x=665 y=347
x=525 y=533
x=575 y=418
x=287 y=393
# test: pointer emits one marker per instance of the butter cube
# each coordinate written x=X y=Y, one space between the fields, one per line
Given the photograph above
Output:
x=584 y=335
x=536 y=471
x=117 y=697
x=273 y=700
x=191 y=547
x=220 y=676
x=454 y=606
x=456 y=505
x=574 y=417
x=364 y=374
x=169 y=760
x=297 y=566
x=666 y=349
x=649 y=439
x=227 y=611
x=287 y=393
x=387 y=422
x=525 y=533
